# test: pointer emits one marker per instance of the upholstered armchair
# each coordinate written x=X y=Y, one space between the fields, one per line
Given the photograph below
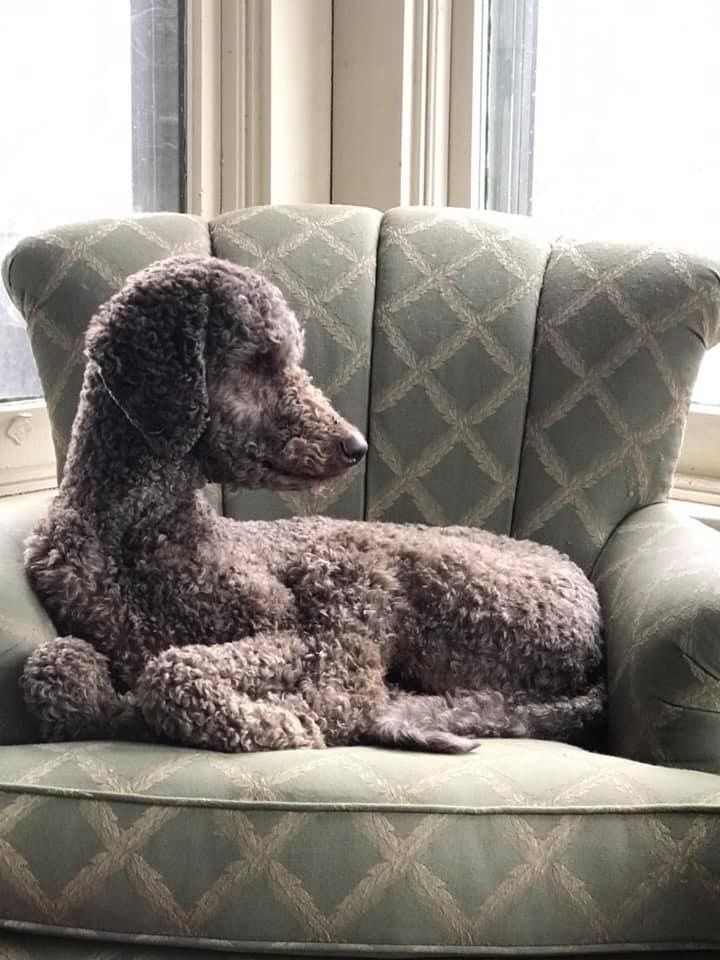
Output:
x=530 y=386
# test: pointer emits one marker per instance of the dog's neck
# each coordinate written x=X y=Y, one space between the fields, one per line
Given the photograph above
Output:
x=142 y=491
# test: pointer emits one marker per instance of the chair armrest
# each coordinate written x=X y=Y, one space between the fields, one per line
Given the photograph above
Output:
x=23 y=622
x=658 y=579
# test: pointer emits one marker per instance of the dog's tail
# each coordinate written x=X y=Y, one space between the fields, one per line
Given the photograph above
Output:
x=67 y=686
x=455 y=723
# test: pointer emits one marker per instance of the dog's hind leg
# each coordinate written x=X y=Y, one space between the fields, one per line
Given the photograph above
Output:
x=67 y=686
x=235 y=697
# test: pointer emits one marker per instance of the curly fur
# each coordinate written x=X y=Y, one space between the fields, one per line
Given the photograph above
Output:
x=185 y=625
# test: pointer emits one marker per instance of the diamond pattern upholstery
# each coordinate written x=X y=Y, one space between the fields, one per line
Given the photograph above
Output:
x=621 y=331
x=48 y=948
x=354 y=848
x=659 y=581
x=59 y=278
x=505 y=380
x=454 y=325
x=323 y=259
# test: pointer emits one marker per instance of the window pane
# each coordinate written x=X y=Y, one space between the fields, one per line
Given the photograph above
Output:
x=627 y=125
x=91 y=113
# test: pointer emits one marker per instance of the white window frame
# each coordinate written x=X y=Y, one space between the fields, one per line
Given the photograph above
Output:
x=376 y=102
x=373 y=162
x=258 y=129
x=259 y=103
x=27 y=457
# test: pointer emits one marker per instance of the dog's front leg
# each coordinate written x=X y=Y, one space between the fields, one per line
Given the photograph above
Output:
x=68 y=687
x=343 y=685
x=236 y=697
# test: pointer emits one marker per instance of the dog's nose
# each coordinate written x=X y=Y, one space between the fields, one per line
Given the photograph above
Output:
x=353 y=447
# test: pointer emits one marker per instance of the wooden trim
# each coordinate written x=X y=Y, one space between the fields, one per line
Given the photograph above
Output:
x=391 y=102
x=437 y=135
x=259 y=90
x=708 y=514
x=27 y=459
x=700 y=454
x=202 y=102
x=695 y=488
x=467 y=137
x=300 y=101
x=368 y=42
x=245 y=103
x=425 y=102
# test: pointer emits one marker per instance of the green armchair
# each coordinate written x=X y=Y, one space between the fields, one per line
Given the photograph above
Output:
x=531 y=387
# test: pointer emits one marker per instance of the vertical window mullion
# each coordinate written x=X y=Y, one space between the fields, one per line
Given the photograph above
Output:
x=512 y=55
x=158 y=163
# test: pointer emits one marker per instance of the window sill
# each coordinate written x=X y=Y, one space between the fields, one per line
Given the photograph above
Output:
x=707 y=513
x=27 y=462
x=700 y=454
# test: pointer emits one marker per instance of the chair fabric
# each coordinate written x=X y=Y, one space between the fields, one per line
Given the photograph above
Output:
x=323 y=258
x=620 y=335
x=59 y=278
x=659 y=581
x=517 y=383
x=456 y=303
x=505 y=379
x=522 y=846
x=23 y=622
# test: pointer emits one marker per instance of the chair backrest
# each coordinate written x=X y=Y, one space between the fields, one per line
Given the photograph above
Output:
x=527 y=386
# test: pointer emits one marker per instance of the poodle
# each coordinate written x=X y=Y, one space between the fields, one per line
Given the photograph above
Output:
x=185 y=626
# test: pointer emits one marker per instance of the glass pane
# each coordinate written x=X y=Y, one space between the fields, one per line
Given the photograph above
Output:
x=627 y=125
x=91 y=112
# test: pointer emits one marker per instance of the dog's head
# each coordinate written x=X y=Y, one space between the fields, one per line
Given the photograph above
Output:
x=204 y=358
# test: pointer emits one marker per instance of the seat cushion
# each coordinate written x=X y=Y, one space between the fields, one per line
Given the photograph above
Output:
x=520 y=846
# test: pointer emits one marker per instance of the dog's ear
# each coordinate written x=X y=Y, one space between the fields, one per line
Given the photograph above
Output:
x=148 y=343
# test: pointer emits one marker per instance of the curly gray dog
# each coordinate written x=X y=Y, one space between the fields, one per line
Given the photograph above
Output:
x=180 y=624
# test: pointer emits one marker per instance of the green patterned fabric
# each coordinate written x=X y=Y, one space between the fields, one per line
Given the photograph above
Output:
x=659 y=584
x=517 y=384
x=358 y=849
x=621 y=331
x=505 y=381
x=323 y=260
x=59 y=278
x=23 y=622
x=18 y=947
x=454 y=325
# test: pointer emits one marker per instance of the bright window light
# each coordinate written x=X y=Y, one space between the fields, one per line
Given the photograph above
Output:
x=77 y=98
x=627 y=125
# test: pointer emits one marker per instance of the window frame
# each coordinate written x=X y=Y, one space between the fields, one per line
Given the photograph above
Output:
x=158 y=104
x=436 y=67
x=27 y=455
x=481 y=168
x=257 y=94
x=506 y=180
x=511 y=58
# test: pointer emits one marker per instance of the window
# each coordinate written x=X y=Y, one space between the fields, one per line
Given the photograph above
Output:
x=92 y=113
x=602 y=117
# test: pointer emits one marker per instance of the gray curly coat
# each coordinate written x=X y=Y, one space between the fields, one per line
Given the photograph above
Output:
x=180 y=624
